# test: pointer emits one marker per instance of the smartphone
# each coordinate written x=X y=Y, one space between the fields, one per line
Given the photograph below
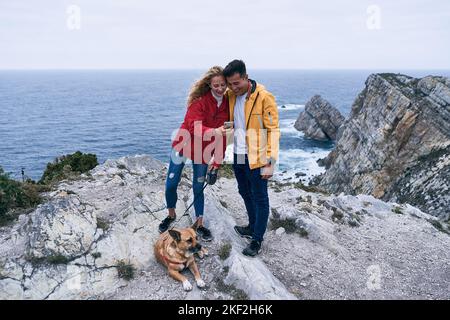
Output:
x=228 y=125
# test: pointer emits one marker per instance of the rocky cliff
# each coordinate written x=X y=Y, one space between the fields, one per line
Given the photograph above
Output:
x=320 y=120
x=93 y=239
x=395 y=144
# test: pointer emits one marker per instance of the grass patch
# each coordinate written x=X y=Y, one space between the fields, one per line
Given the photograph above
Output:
x=96 y=255
x=56 y=259
x=314 y=189
x=103 y=224
x=275 y=212
x=302 y=232
x=224 y=251
x=278 y=186
x=353 y=223
x=438 y=225
x=125 y=270
x=68 y=167
x=277 y=189
x=397 y=210
x=236 y=293
x=226 y=171
x=288 y=225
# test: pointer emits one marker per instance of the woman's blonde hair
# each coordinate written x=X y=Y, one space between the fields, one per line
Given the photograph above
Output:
x=201 y=87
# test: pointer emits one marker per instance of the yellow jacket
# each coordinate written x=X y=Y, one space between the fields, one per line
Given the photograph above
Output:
x=263 y=130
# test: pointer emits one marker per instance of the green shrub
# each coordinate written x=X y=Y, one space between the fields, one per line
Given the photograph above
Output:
x=68 y=167
x=125 y=270
x=16 y=195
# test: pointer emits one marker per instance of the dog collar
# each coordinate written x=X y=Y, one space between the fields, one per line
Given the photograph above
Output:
x=167 y=260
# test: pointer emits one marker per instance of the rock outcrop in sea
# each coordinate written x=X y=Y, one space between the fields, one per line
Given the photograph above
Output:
x=320 y=120
x=395 y=144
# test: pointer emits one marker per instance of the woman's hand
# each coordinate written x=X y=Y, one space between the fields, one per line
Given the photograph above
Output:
x=221 y=131
x=213 y=166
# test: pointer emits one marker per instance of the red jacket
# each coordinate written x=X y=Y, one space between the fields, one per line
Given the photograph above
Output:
x=195 y=139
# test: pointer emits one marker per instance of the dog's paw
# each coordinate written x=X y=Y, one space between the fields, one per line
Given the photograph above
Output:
x=201 y=283
x=202 y=253
x=187 y=286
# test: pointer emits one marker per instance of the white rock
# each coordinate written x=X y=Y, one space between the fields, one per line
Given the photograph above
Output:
x=280 y=231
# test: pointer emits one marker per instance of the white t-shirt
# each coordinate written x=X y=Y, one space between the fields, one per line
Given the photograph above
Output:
x=219 y=99
x=240 y=145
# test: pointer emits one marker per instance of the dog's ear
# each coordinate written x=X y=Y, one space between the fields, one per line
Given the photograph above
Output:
x=176 y=235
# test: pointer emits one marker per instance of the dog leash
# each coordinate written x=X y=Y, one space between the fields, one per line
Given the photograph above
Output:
x=211 y=179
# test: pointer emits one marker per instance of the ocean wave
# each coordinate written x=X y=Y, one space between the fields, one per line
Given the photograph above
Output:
x=293 y=161
x=287 y=127
x=288 y=106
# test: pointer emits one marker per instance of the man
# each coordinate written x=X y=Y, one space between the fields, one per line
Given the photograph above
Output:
x=256 y=141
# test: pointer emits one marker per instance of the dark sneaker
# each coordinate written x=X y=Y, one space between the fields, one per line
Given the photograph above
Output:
x=244 y=232
x=204 y=233
x=252 y=249
x=165 y=224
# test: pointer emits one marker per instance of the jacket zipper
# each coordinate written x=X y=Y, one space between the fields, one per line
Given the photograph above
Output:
x=270 y=119
x=251 y=111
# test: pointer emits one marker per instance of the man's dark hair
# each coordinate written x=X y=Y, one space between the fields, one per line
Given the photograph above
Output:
x=235 y=66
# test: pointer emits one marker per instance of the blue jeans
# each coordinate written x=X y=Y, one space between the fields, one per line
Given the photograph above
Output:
x=176 y=166
x=253 y=189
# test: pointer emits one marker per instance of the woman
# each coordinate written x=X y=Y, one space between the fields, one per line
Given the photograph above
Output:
x=200 y=138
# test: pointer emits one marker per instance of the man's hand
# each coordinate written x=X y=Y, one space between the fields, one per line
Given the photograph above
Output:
x=267 y=171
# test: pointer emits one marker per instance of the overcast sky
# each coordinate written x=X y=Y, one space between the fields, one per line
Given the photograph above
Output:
x=173 y=34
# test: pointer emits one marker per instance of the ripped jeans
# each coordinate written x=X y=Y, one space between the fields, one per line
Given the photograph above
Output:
x=176 y=166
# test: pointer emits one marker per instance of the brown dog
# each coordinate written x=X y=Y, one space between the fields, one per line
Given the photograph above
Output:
x=175 y=249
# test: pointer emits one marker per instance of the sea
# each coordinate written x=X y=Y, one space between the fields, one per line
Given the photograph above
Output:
x=113 y=113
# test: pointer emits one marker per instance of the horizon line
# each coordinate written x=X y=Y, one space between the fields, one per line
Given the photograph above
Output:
x=197 y=69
